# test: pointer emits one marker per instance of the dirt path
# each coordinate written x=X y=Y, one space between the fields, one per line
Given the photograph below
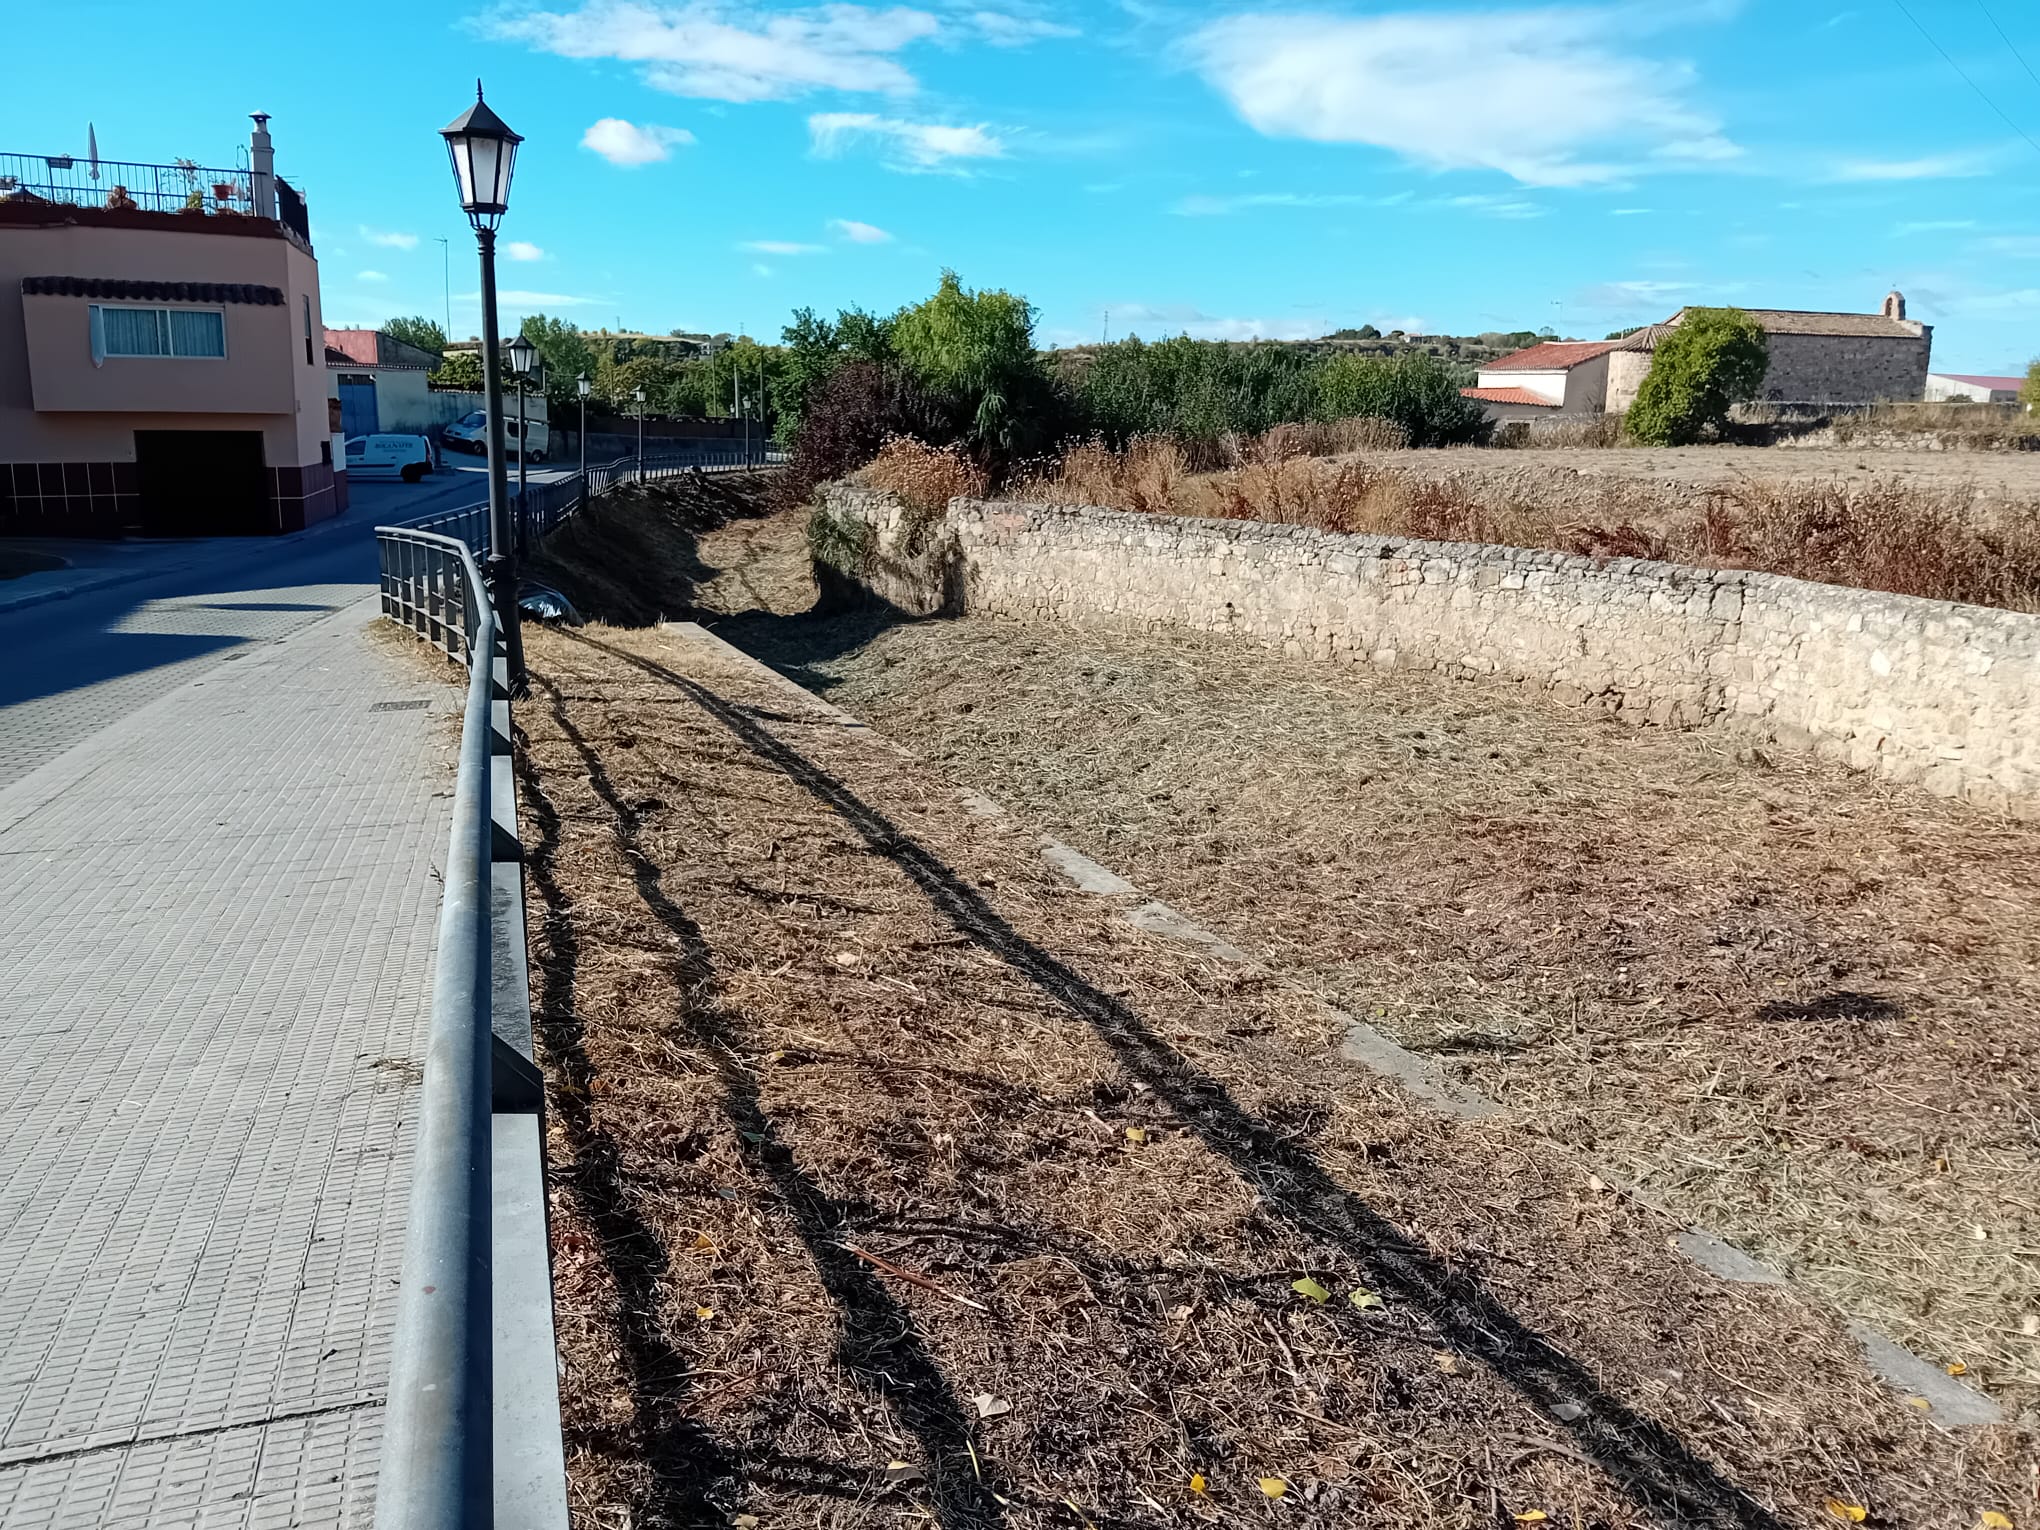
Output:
x=897 y=1180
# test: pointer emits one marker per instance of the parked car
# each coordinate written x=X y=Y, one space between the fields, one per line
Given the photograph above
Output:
x=407 y=457
x=471 y=434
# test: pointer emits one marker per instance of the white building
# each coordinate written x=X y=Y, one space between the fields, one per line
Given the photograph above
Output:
x=1557 y=377
x=1945 y=386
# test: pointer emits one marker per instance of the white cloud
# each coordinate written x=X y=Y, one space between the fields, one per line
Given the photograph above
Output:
x=1629 y=212
x=782 y=247
x=1936 y=226
x=1931 y=167
x=720 y=51
x=627 y=144
x=905 y=145
x=1627 y=295
x=520 y=299
x=1543 y=95
x=390 y=241
x=859 y=233
x=1178 y=319
x=1215 y=207
x=523 y=249
x=1492 y=206
x=759 y=268
x=1003 y=29
x=371 y=276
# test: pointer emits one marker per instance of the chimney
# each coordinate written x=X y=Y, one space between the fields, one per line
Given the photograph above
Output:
x=1894 y=305
x=261 y=168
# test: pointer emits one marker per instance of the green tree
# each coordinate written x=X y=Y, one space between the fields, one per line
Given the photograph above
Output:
x=2030 y=394
x=463 y=369
x=1415 y=389
x=566 y=353
x=1712 y=360
x=419 y=331
x=974 y=352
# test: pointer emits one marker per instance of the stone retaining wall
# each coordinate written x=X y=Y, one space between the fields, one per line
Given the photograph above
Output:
x=1918 y=690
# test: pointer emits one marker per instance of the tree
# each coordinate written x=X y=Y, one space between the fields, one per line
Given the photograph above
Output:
x=1710 y=361
x=566 y=353
x=419 y=331
x=2030 y=394
x=974 y=352
x=461 y=370
x=1415 y=390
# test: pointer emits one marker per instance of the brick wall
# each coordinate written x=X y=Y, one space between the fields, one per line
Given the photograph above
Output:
x=1847 y=369
x=1917 y=690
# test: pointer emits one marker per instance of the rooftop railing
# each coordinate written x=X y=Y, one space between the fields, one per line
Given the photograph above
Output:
x=182 y=186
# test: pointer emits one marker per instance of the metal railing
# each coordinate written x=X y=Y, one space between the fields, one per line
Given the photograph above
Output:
x=80 y=181
x=438 y=1468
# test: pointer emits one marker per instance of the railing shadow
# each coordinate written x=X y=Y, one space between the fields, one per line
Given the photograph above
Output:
x=879 y=1342
x=1656 y=1468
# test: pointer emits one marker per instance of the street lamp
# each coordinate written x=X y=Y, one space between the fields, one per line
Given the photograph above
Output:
x=637 y=396
x=582 y=387
x=484 y=153
x=522 y=355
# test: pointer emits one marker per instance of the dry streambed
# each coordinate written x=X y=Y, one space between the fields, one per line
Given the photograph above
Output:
x=896 y=1180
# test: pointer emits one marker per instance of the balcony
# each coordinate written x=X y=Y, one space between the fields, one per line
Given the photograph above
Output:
x=195 y=190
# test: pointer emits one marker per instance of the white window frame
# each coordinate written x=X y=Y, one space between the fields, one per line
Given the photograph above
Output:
x=100 y=354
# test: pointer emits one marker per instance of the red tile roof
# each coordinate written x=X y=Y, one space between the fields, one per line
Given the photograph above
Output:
x=1551 y=356
x=1508 y=396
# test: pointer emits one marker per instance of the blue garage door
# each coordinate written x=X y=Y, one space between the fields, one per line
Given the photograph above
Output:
x=357 y=408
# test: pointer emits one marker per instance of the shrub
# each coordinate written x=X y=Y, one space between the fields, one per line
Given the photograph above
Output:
x=923 y=478
x=1416 y=391
x=2029 y=395
x=1713 y=359
x=973 y=354
x=1197 y=390
x=848 y=417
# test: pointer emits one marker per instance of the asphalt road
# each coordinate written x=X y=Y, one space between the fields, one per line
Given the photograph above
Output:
x=76 y=665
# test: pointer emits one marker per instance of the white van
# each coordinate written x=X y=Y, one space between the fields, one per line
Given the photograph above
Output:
x=471 y=434
x=407 y=457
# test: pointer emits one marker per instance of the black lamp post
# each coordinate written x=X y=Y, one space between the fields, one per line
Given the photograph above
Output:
x=522 y=354
x=484 y=153
x=637 y=396
x=582 y=386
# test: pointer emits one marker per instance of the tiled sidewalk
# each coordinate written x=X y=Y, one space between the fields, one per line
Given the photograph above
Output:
x=216 y=921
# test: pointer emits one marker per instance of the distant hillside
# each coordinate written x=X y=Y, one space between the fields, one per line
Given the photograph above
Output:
x=1461 y=350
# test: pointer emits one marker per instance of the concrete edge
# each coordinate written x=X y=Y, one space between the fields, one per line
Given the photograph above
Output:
x=1950 y=1404
x=49 y=594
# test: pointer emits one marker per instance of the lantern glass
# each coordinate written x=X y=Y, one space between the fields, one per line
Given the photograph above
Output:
x=522 y=351
x=483 y=151
x=583 y=386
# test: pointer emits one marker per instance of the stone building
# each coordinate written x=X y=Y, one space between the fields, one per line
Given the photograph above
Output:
x=1816 y=358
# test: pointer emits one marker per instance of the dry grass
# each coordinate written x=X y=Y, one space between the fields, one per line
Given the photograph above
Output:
x=1941 y=541
x=1792 y=1003
x=1970 y=427
x=924 y=478
x=797 y=1009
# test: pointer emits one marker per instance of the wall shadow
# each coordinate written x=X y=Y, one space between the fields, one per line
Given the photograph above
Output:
x=1652 y=1465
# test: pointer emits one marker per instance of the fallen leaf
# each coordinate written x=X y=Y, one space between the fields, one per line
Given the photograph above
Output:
x=1197 y=1483
x=1274 y=1487
x=1135 y=1134
x=897 y=1472
x=704 y=1313
x=1568 y=1412
x=1979 y=1233
x=1310 y=1288
x=1920 y=1403
x=746 y=1522
x=2029 y=1325
x=1958 y=1369
x=989 y=1406
x=1365 y=1300
x=1854 y=1513
x=1596 y=1184
x=846 y=958
x=703 y=1240
x=1992 y=1520
x=1448 y=1363
x=1532 y=1517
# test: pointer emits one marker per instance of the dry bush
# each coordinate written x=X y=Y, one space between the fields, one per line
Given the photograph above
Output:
x=1883 y=535
x=923 y=478
x=1593 y=432
x=1973 y=427
x=1146 y=478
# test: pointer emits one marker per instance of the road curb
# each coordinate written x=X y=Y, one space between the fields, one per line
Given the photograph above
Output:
x=43 y=597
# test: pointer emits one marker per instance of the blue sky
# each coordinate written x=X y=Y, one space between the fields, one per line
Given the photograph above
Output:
x=1141 y=166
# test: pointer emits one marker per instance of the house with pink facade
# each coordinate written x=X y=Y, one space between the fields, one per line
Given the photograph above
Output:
x=162 y=358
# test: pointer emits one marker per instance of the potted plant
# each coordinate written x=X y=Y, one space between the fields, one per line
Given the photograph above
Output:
x=223 y=192
x=118 y=200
